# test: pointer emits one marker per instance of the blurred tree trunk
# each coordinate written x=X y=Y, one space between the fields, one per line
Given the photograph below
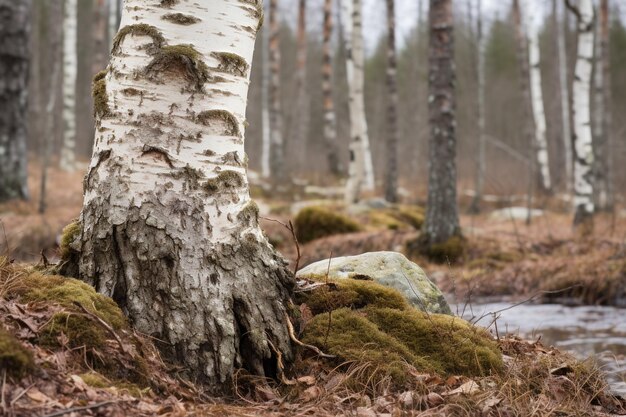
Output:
x=84 y=77
x=360 y=169
x=167 y=227
x=113 y=20
x=99 y=34
x=523 y=62
x=266 y=145
x=602 y=123
x=277 y=151
x=55 y=46
x=391 y=177
x=330 y=119
x=15 y=33
x=566 y=119
x=583 y=164
x=70 y=55
x=536 y=93
x=480 y=75
x=300 y=123
x=442 y=219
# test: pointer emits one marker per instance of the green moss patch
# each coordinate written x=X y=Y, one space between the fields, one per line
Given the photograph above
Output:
x=231 y=63
x=79 y=330
x=182 y=60
x=68 y=236
x=452 y=250
x=352 y=293
x=15 y=359
x=225 y=181
x=367 y=324
x=315 y=222
x=140 y=29
x=100 y=98
x=68 y=291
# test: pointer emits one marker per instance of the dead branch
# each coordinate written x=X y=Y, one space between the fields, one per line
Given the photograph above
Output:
x=104 y=324
x=299 y=343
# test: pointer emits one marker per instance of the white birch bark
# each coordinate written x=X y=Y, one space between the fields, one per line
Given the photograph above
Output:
x=360 y=168
x=277 y=150
x=583 y=173
x=70 y=54
x=536 y=91
x=565 y=102
x=168 y=227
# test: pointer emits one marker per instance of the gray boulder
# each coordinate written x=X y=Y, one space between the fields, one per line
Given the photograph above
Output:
x=391 y=269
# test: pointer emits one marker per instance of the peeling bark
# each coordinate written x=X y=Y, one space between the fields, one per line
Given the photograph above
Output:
x=442 y=219
x=168 y=227
x=15 y=32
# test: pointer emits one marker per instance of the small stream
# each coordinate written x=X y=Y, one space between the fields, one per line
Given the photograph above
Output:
x=585 y=331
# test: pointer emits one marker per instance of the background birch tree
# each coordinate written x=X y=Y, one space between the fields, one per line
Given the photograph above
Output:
x=70 y=54
x=583 y=163
x=277 y=148
x=330 y=119
x=360 y=168
x=531 y=26
x=15 y=32
x=391 y=174
x=167 y=227
x=442 y=218
x=300 y=122
x=566 y=120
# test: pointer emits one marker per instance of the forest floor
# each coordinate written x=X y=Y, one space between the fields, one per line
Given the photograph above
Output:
x=502 y=258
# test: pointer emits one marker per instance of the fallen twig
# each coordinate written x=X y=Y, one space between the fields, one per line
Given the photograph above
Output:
x=299 y=343
x=103 y=324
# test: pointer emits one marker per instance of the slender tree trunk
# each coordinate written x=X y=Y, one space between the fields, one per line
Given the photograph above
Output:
x=55 y=36
x=167 y=227
x=391 y=178
x=602 y=122
x=113 y=21
x=583 y=164
x=300 y=123
x=15 y=32
x=442 y=219
x=85 y=47
x=70 y=67
x=67 y=161
x=360 y=169
x=99 y=34
x=277 y=151
x=330 y=119
x=565 y=101
x=523 y=60
x=482 y=140
x=536 y=92
x=266 y=139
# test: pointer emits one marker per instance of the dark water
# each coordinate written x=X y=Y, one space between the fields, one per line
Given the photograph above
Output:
x=585 y=331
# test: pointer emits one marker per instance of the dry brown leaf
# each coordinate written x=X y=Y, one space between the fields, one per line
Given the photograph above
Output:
x=468 y=388
x=311 y=393
x=308 y=380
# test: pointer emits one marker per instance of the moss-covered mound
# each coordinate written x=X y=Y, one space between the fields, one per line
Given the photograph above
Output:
x=15 y=359
x=367 y=324
x=397 y=217
x=451 y=251
x=315 y=222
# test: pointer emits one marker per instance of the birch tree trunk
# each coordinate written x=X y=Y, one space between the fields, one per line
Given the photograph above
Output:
x=360 y=168
x=583 y=163
x=99 y=34
x=167 y=227
x=482 y=140
x=330 y=119
x=601 y=137
x=15 y=33
x=523 y=60
x=70 y=67
x=300 y=123
x=55 y=36
x=565 y=101
x=536 y=92
x=391 y=178
x=277 y=150
x=442 y=219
